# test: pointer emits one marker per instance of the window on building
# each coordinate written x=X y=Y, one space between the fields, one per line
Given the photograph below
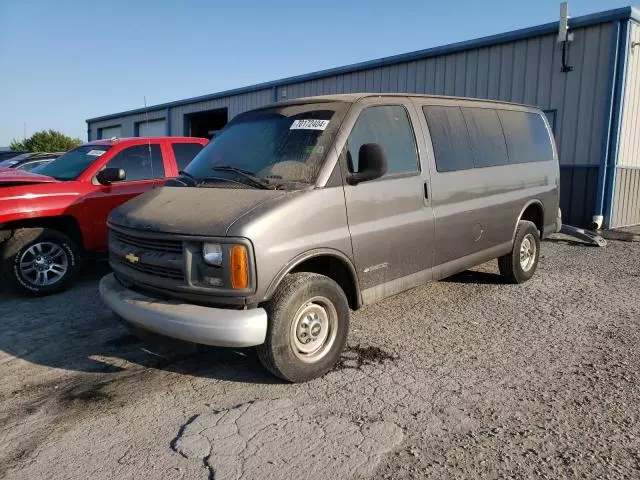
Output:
x=140 y=162
x=449 y=137
x=487 y=139
x=388 y=126
x=551 y=118
x=184 y=153
x=527 y=136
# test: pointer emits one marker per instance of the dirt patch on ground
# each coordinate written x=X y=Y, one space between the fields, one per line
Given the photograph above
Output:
x=356 y=356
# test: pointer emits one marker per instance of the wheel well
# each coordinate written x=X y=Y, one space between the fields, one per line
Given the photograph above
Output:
x=64 y=223
x=534 y=213
x=335 y=269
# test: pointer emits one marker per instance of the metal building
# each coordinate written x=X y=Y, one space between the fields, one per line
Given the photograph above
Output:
x=593 y=106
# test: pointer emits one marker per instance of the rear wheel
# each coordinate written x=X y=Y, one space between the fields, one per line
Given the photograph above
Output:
x=308 y=327
x=39 y=261
x=519 y=265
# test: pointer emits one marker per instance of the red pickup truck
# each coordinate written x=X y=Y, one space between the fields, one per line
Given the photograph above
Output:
x=49 y=220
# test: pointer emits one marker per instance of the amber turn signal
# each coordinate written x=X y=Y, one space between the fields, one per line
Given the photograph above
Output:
x=239 y=267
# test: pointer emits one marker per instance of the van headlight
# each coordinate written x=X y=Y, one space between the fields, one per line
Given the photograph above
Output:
x=212 y=254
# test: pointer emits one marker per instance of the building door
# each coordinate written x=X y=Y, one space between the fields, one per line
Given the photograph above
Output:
x=155 y=128
x=108 y=132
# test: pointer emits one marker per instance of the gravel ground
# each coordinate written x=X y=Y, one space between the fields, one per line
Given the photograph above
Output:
x=465 y=378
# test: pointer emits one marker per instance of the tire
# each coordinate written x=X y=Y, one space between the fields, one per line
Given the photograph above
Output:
x=514 y=269
x=52 y=251
x=306 y=307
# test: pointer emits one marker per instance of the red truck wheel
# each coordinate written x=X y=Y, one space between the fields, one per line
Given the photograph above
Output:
x=40 y=261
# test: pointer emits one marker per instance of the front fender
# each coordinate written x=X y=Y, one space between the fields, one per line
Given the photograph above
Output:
x=314 y=253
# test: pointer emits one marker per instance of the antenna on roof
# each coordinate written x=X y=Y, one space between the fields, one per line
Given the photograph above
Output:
x=146 y=118
x=564 y=35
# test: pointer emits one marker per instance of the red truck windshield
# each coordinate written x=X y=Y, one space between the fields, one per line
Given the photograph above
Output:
x=71 y=165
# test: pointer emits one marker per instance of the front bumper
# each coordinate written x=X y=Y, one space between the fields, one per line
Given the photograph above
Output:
x=185 y=321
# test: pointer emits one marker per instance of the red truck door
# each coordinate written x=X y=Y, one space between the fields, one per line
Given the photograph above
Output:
x=145 y=167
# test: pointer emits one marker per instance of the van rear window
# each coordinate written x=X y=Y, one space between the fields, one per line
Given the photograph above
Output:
x=527 y=136
x=473 y=137
x=487 y=140
x=449 y=138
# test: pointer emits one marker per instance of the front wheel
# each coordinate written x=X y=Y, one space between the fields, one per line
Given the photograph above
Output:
x=40 y=261
x=308 y=327
x=519 y=265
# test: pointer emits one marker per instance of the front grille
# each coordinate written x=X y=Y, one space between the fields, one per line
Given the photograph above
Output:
x=158 y=245
x=156 y=270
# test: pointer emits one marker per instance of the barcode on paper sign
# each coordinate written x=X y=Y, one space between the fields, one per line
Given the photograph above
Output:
x=309 y=125
x=95 y=153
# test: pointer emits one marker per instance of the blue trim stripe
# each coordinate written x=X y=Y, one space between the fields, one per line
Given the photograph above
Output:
x=624 y=13
x=623 y=54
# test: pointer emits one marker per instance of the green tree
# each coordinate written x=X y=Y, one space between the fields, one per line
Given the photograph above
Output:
x=46 y=141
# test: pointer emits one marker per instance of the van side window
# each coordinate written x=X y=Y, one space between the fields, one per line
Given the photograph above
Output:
x=487 y=140
x=140 y=162
x=449 y=137
x=527 y=136
x=389 y=127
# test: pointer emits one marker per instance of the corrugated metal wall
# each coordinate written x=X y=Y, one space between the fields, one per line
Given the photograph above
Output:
x=127 y=123
x=524 y=71
x=626 y=200
x=629 y=154
x=626 y=206
x=235 y=104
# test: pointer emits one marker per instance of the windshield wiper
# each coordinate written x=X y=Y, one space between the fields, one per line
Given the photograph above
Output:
x=193 y=181
x=256 y=181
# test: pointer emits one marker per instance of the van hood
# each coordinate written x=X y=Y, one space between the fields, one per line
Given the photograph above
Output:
x=11 y=177
x=190 y=210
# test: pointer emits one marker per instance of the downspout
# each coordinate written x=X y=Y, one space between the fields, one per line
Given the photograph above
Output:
x=598 y=217
x=167 y=122
x=88 y=132
x=623 y=60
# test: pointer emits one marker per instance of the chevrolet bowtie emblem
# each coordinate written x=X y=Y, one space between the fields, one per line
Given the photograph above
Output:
x=132 y=258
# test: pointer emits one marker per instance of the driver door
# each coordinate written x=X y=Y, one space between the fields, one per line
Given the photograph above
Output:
x=144 y=168
x=390 y=219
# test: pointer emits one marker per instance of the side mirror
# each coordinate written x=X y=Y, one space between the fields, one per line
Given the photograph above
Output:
x=109 y=175
x=372 y=164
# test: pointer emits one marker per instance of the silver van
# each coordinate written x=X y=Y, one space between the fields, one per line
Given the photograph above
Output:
x=298 y=212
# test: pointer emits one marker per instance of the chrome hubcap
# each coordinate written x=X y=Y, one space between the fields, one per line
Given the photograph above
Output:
x=527 y=252
x=314 y=329
x=43 y=264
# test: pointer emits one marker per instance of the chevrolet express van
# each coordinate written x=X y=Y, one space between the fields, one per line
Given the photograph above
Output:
x=300 y=211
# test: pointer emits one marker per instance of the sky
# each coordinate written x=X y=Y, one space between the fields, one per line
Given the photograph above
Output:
x=64 y=61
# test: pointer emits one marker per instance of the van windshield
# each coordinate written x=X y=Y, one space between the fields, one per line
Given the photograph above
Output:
x=73 y=163
x=277 y=145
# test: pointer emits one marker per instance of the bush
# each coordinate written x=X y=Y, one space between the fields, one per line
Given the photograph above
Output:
x=46 y=141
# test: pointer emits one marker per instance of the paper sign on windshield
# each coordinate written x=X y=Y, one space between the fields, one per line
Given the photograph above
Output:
x=95 y=153
x=309 y=125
